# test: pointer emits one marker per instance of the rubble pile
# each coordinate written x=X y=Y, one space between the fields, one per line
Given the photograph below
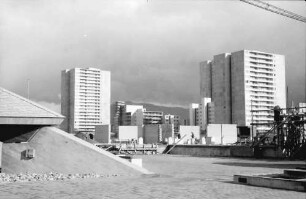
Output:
x=8 y=178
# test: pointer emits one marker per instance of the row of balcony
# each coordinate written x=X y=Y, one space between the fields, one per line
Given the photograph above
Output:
x=260 y=54
x=264 y=78
x=261 y=69
x=258 y=65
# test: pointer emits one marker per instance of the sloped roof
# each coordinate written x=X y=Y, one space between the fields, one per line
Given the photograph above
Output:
x=16 y=106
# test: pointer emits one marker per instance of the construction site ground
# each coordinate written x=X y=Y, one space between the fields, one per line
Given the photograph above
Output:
x=176 y=177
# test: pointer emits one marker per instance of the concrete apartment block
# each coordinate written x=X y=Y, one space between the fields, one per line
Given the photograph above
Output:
x=85 y=99
x=102 y=133
x=152 y=133
x=221 y=87
x=206 y=79
x=238 y=88
x=203 y=113
x=246 y=85
x=193 y=114
x=280 y=80
x=172 y=119
x=133 y=108
x=211 y=113
x=137 y=118
x=128 y=132
x=222 y=133
x=258 y=84
x=133 y=115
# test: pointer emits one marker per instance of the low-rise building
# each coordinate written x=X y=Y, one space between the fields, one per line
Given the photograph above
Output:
x=152 y=117
x=172 y=119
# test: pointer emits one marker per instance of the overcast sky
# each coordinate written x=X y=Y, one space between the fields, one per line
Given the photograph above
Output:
x=152 y=49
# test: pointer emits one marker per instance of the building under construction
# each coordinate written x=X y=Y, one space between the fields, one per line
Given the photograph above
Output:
x=288 y=133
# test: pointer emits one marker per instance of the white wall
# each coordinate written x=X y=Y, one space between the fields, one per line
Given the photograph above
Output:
x=222 y=133
x=128 y=132
x=186 y=130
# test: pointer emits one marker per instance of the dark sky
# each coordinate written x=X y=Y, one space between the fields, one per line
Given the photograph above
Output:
x=152 y=49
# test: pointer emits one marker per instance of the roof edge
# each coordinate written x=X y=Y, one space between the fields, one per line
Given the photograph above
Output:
x=32 y=102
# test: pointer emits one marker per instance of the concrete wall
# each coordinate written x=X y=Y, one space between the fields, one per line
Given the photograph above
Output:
x=151 y=133
x=222 y=133
x=268 y=152
x=238 y=88
x=201 y=150
x=241 y=151
x=128 y=132
x=205 y=79
x=186 y=130
x=58 y=151
x=213 y=151
x=224 y=151
x=102 y=133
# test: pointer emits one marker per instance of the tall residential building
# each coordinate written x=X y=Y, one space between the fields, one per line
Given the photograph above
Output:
x=202 y=114
x=244 y=87
x=85 y=99
x=117 y=115
x=193 y=114
x=205 y=116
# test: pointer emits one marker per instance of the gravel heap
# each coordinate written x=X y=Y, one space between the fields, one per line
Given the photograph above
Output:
x=8 y=178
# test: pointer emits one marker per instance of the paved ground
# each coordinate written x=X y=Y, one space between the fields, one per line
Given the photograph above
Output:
x=178 y=177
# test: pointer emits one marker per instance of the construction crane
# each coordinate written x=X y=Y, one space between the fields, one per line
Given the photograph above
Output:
x=275 y=9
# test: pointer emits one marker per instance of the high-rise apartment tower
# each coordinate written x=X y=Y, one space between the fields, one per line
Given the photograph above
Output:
x=244 y=87
x=85 y=99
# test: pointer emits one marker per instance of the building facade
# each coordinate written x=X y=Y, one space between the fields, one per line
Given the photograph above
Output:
x=85 y=99
x=193 y=114
x=152 y=117
x=202 y=114
x=245 y=87
x=172 y=119
x=117 y=115
x=132 y=115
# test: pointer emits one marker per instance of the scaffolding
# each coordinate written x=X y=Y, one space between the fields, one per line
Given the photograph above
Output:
x=288 y=132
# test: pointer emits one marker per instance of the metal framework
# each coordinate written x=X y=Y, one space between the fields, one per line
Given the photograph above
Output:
x=288 y=133
x=275 y=9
